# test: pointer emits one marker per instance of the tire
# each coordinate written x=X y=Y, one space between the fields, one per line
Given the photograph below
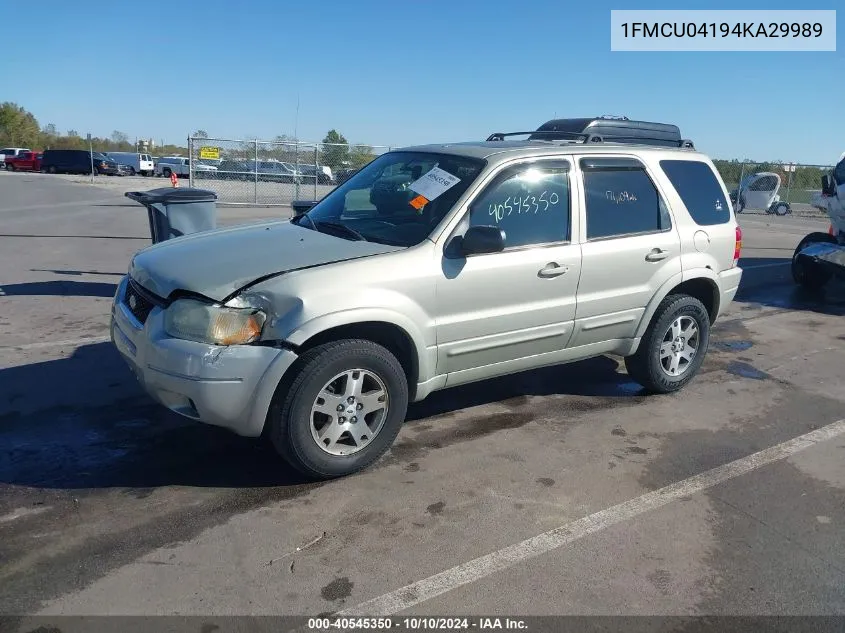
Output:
x=166 y=172
x=808 y=274
x=10 y=167
x=51 y=169
x=782 y=208
x=291 y=420
x=645 y=365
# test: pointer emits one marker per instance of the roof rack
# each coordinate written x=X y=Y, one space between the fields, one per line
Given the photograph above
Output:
x=553 y=134
x=584 y=137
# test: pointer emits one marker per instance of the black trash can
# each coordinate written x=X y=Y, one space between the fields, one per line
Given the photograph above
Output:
x=175 y=211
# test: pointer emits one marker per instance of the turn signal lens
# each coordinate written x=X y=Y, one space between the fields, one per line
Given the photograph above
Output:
x=737 y=245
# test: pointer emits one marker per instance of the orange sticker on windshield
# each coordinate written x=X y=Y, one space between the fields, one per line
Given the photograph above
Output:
x=419 y=202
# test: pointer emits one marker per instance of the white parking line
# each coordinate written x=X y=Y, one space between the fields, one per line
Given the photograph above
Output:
x=74 y=342
x=786 y=263
x=433 y=586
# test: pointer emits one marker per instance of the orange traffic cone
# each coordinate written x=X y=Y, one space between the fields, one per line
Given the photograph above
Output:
x=174 y=180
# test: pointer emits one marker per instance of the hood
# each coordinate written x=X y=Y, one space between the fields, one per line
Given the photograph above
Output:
x=217 y=263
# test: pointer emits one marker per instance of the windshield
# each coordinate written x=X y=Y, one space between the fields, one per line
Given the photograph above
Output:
x=397 y=199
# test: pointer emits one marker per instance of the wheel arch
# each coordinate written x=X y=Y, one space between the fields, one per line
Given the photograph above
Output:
x=392 y=331
x=699 y=283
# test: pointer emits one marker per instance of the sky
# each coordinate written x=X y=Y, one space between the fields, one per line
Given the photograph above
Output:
x=402 y=73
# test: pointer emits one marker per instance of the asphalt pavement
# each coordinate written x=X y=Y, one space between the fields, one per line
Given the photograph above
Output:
x=558 y=491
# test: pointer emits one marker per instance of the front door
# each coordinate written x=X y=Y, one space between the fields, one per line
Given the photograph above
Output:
x=498 y=307
x=630 y=248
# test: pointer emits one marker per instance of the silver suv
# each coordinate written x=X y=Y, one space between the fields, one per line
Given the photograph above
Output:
x=431 y=267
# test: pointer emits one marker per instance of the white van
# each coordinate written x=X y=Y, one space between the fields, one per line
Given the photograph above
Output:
x=137 y=163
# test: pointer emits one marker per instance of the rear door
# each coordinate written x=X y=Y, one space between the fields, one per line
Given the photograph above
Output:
x=630 y=247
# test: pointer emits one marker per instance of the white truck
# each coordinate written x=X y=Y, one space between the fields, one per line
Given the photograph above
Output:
x=180 y=165
x=10 y=151
x=138 y=163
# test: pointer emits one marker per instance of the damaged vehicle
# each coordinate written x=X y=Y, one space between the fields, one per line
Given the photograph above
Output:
x=431 y=267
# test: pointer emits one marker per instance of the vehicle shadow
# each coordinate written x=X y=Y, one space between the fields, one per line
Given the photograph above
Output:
x=61 y=288
x=83 y=422
x=767 y=281
x=598 y=377
x=95 y=428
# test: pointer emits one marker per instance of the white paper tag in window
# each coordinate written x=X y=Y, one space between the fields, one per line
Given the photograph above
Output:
x=433 y=183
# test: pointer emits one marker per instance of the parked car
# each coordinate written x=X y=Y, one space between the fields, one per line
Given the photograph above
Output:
x=267 y=171
x=10 y=152
x=136 y=162
x=310 y=172
x=77 y=161
x=180 y=166
x=344 y=174
x=432 y=267
x=25 y=161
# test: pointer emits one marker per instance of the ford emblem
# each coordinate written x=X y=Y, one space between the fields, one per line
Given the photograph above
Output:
x=133 y=302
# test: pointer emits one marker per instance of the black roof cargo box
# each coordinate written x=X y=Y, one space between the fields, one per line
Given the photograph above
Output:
x=611 y=129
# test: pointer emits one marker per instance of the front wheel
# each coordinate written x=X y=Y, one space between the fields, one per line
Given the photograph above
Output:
x=807 y=273
x=166 y=172
x=342 y=409
x=10 y=167
x=672 y=350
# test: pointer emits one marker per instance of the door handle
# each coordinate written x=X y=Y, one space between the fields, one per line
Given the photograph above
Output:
x=656 y=254
x=552 y=269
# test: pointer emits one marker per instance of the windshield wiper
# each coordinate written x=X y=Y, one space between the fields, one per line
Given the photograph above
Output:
x=342 y=227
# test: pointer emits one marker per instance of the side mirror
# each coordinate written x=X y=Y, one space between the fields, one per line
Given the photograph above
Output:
x=483 y=239
x=828 y=186
x=300 y=207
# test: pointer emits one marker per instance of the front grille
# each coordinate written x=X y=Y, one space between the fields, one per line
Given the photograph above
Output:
x=139 y=301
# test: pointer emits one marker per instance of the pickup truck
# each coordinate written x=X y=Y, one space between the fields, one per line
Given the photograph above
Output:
x=180 y=166
x=11 y=151
x=25 y=161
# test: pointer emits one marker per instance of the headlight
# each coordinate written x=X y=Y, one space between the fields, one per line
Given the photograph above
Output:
x=217 y=325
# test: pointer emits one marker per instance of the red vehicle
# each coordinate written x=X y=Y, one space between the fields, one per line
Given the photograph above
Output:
x=29 y=161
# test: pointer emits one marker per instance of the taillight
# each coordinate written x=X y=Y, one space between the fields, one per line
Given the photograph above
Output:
x=830 y=230
x=737 y=244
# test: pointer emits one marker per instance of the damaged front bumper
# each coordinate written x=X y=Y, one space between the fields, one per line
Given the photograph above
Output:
x=227 y=386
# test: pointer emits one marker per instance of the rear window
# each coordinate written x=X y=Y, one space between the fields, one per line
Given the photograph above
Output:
x=699 y=190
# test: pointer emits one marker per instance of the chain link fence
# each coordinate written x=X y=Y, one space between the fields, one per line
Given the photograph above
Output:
x=778 y=188
x=273 y=173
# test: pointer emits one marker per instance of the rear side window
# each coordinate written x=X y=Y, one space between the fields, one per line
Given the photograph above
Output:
x=621 y=199
x=699 y=190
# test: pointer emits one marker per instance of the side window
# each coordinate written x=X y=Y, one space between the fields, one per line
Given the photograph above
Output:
x=766 y=183
x=839 y=173
x=699 y=190
x=621 y=199
x=530 y=203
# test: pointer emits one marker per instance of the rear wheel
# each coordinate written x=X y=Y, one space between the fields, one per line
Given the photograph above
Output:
x=10 y=167
x=782 y=208
x=805 y=272
x=672 y=350
x=342 y=409
x=166 y=172
x=51 y=169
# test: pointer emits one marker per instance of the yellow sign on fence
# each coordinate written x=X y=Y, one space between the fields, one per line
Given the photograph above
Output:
x=211 y=153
